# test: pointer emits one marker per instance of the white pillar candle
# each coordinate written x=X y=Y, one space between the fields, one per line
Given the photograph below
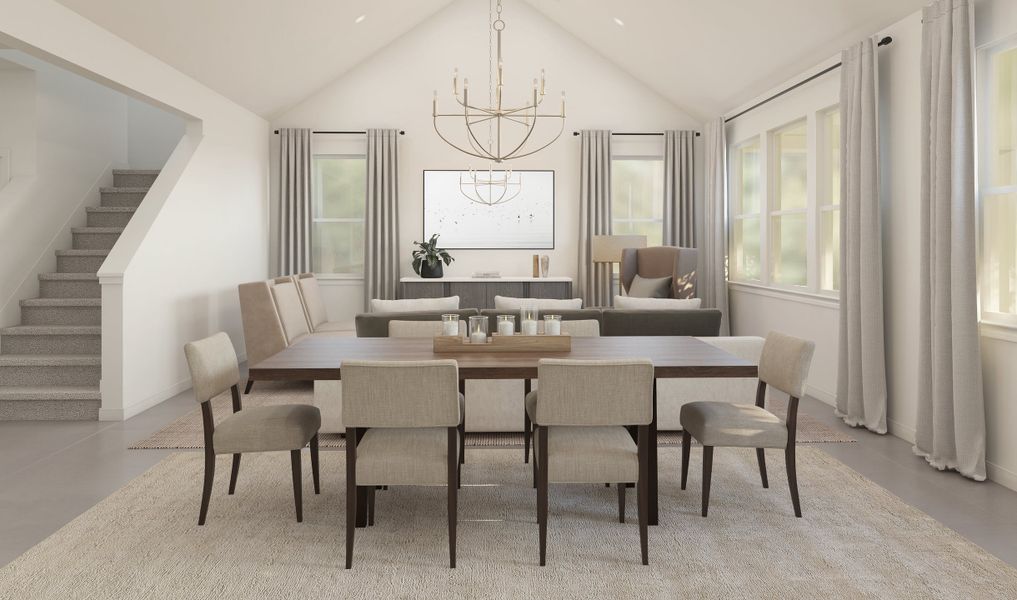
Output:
x=505 y=328
x=552 y=327
x=478 y=337
x=450 y=328
x=529 y=327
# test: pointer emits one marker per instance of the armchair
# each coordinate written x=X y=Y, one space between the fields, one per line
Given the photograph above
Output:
x=679 y=264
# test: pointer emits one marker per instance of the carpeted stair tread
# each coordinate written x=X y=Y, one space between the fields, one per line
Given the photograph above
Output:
x=136 y=171
x=50 y=392
x=123 y=190
x=52 y=330
x=69 y=276
x=83 y=252
x=111 y=209
x=50 y=360
x=117 y=230
x=63 y=302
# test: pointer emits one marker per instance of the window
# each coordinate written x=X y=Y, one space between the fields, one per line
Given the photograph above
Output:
x=339 y=193
x=746 y=199
x=637 y=197
x=788 y=209
x=828 y=198
x=998 y=184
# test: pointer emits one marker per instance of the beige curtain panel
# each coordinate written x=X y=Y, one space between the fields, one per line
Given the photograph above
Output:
x=381 y=236
x=861 y=377
x=950 y=432
x=712 y=284
x=594 y=215
x=294 y=201
x=679 y=189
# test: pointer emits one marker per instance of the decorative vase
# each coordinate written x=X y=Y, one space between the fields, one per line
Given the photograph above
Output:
x=545 y=265
x=429 y=272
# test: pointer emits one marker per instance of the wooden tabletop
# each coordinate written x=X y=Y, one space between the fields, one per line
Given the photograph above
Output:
x=319 y=357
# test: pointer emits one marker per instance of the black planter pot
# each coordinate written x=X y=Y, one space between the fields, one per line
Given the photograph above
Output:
x=429 y=272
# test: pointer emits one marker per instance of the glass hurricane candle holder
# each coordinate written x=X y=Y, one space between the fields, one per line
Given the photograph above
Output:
x=450 y=325
x=528 y=320
x=478 y=330
x=506 y=324
x=552 y=324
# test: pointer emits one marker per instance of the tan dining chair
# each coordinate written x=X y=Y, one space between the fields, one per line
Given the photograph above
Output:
x=402 y=427
x=213 y=365
x=582 y=415
x=575 y=328
x=784 y=365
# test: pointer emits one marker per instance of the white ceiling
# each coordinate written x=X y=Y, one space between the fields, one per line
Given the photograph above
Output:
x=706 y=56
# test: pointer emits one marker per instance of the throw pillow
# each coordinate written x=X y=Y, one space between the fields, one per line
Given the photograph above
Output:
x=645 y=287
x=414 y=304
x=541 y=304
x=631 y=303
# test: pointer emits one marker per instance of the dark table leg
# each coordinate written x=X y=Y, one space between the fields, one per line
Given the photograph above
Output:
x=653 y=461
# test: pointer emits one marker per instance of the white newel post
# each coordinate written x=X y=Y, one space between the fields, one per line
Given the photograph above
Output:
x=111 y=385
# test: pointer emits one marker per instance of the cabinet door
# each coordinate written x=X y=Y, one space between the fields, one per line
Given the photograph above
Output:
x=471 y=294
x=551 y=289
x=422 y=289
x=514 y=289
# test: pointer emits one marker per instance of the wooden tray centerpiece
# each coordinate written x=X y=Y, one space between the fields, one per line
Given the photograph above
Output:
x=505 y=343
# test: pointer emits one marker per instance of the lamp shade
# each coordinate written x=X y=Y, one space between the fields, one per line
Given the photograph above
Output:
x=608 y=248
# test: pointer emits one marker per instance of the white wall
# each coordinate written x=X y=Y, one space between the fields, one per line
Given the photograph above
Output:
x=900 y=81
x=152 y=134
x=394 y=89
x=17 y=121
x=202 y=229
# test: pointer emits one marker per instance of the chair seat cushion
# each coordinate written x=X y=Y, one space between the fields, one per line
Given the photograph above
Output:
x=267 y=428
x=591 y=455
x=404 y=456
x=739 y=425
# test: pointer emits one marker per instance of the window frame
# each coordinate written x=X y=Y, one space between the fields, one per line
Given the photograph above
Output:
x=317 y=208
x=772 y=202
x=735 y=187
x=638 y=156
x=823 y=185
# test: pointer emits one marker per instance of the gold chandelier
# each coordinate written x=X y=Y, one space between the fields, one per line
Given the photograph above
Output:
x=510 y=130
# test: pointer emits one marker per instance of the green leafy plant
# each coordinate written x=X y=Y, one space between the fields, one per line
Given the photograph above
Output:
x=430 y=252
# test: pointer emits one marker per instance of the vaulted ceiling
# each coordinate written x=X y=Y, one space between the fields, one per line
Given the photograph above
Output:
x=706 y=56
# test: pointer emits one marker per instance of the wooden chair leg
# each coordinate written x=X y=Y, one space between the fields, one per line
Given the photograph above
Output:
x=621 y=502
x=247 y=388
x=761 y=459
x=527 y=384
x=542 y=484
x=370 y=505
x=206 y=490
x=297 y=498
x=351 y=493
x=707 y=473
x=314 y=464
x=234 y=471
x=792 y=478
x=686 y=453
x=453 y=496
x=533 y=432
x=643 y=492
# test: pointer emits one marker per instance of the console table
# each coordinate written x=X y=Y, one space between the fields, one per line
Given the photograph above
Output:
x=479 y=292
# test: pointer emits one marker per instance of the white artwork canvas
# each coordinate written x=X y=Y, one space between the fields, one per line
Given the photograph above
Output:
x=526 y=221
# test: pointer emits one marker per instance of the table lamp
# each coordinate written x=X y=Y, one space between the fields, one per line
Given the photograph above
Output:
x=608 y=249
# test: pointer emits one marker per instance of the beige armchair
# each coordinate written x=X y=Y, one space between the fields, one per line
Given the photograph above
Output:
x=784 y=364
x=214 y=369
x=402 y=428
x=581 y=415
x=680 y=264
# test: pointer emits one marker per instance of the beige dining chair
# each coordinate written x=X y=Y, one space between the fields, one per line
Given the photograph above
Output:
x=576 y=328
x=784 y=365
x=402 y=427
x=213 y=365
x=582 y=415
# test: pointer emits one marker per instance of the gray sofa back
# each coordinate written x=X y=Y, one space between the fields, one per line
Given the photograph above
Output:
x=703 y=322
x=376 y=324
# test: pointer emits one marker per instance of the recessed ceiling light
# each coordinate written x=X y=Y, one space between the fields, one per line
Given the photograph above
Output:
x=360 y=19
x=619 y=22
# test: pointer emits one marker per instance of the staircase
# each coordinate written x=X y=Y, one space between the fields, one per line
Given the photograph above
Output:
x=50 y=365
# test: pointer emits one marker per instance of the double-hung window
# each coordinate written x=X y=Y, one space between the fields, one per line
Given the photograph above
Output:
x=789 y=206
x=637 y=197
x=338 y=194
x=998 y=183
x=746 y=199
x=828 y=199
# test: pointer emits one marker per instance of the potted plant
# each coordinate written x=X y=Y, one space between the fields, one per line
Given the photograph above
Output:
x=428 y=257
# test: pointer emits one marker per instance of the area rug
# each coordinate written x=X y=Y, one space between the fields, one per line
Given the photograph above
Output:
x=855 y=540
x=185 y=433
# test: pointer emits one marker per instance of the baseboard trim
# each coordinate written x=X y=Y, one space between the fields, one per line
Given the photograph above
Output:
x=898 y=429
x=1002 y=476
x=822 y=395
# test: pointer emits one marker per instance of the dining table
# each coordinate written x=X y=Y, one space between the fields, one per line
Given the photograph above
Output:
x=320 y=357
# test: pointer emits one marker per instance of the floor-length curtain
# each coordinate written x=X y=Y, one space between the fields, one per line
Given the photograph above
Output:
x=679 y=189
x=381 y=234
x=594 y=215
x=950 y=431
x=294 y=201
x=712 y=284
x=861 y=376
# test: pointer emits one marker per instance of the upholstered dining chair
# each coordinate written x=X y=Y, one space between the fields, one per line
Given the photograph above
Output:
x=402 y=428
x=582 y=413
x=784 y=365
x=213 y=365
x=576 y=328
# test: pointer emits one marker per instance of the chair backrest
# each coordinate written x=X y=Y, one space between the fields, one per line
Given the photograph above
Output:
x=213 y=365
x=784 y=363
x=399 y=394
x=418 y=329
x=310 y=293
x=662 y=261
x=583 y=328
x=263 y=330
x=595 y=392
x=290 y=308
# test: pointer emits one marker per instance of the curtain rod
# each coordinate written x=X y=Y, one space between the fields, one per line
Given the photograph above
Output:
x=635 y=133
x=401 y=132
x=886 y=41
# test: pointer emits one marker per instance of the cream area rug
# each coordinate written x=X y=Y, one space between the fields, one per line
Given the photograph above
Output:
x=186 y=432
x=854 y=541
